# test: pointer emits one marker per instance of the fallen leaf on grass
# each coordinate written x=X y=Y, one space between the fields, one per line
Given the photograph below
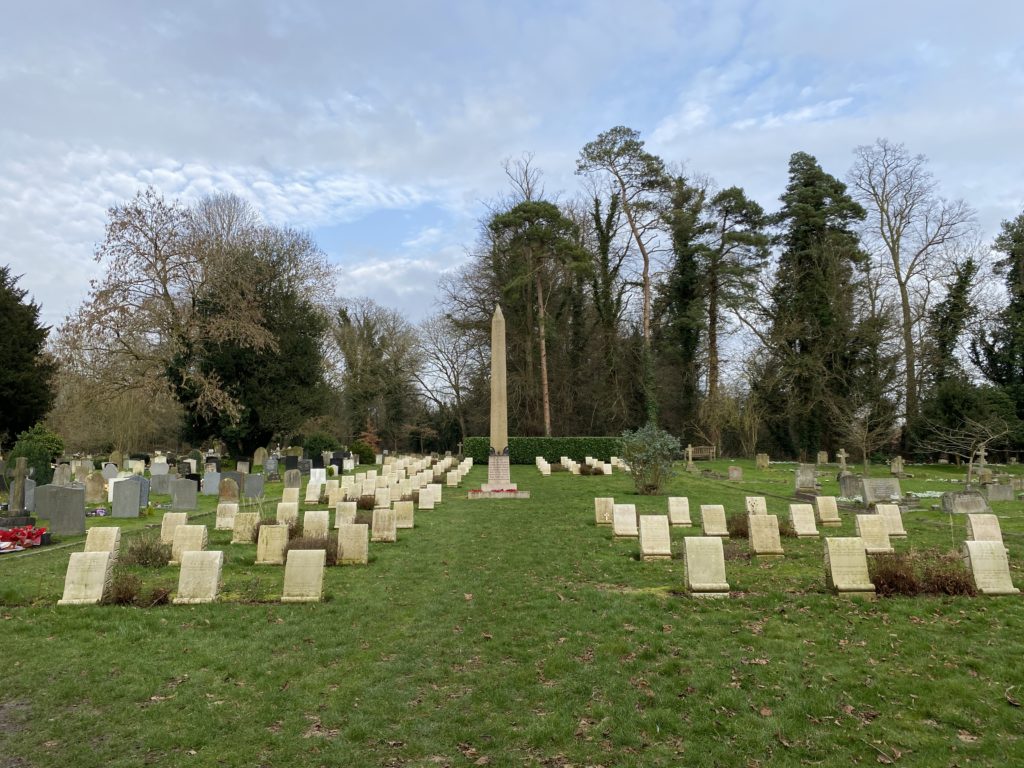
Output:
x=764 y=712
x=967 y=737
x=468 y=596
x=1012 y=701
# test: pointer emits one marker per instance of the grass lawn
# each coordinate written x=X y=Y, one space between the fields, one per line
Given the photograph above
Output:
x=518 y=633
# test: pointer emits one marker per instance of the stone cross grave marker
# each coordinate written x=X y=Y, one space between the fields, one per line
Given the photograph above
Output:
x=704 y=559
x=87 y=579
x=624 y=522
x=986 y=560
x=846 y=566
x=757 y=505
x=304 y=576
x=874 y=531
x=896 y=466
x=187 y=538
x=315 y=524
x=679 y=511
x=712 y=520
x=655 y=538
x=802 y=518
x=603 y=510
x=199 y=579
x=841 y=457
x=353 y=544
x=271 y=544
x=764 y=535
x=384 y=526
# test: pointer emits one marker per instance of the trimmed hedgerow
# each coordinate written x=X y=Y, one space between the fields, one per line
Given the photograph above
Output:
x=524 y=450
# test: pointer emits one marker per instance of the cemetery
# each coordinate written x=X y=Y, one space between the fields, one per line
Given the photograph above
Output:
x=580 y=590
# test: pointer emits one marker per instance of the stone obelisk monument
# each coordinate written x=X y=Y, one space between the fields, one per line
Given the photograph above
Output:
x=499 y=479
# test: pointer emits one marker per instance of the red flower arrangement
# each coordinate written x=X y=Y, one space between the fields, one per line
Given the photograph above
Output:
x=21 y=537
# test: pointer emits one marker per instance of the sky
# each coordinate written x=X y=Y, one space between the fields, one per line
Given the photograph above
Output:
x=382 y=127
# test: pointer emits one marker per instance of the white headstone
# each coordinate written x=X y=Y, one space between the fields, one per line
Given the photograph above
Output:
x=604 y=508
x=764 y=535
x=384 y=526
x=104 y=539
x=244 y=528
x=984 y=528
x=873 y=530
x=272 y=543
x=199 y=580
x=846 y=566
x=304 y=576
x=893 y=519
x=712 y=520
x=655 y=538
x=404 y=514
x=87 y=579
x=226 y=511
x=287 y=512
x=828 y=511
x=802 y=518
x=704 y=558
x=986 y=560
x=315 y=524
x=353 y=544
x=756 y=505
x=679 y=511
x=187 y=538
x=624 y=522
x=345 y=513
x=170 y=522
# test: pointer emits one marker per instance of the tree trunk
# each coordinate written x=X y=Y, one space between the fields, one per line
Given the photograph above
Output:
x=545 y=394
x=910 y=354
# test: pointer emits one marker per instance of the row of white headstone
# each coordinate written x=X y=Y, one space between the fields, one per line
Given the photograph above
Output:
x=573 y=467
x=983 y=552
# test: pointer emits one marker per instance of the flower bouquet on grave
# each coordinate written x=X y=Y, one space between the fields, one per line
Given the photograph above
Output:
x=21 y=537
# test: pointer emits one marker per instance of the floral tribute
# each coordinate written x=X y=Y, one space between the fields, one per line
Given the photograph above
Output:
x=21 y=537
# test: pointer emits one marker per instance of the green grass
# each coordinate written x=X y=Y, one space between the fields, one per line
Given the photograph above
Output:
x=517 y=633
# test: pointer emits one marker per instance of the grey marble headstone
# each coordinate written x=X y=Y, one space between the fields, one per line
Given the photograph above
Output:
x=304 y=466
x=159 y=468
x=30 y=494
x=270 y=465
x=110 y=471
x=253 y=487
x=211 y=483
x=143 y=486
x=964 y=502
x=62 y=475
x=183 y=494
x=805 y=478
x=849 y=485
x=880 y=489
x=63 y=507
x=160 y=484
x=126 y=499
x=1000 y=492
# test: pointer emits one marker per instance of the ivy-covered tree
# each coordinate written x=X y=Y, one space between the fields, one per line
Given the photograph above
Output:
x=26 y=370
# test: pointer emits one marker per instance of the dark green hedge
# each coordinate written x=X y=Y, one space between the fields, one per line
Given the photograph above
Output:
x=524 y=450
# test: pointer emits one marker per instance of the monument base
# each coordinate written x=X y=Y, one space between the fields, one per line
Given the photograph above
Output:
x=499 y=483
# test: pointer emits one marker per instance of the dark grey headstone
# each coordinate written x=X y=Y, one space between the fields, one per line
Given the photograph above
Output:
x=270 y=465
x=211 y=483
x=183 y=494
x=304 y=466
x=964 y=503
x=880 y=490
x=143 y=485
x=126 y=499
x=160 y=484
x=63 y=507
x=849 y=485
x=253 y=487
x=291 y=462
x=318 y=462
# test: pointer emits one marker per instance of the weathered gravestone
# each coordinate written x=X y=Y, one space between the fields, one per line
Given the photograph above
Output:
x=259 y=458
x=655 y=538
x=704 y=558
x=227 y=490
x=603 y=510
x=238 y=477
x=183 y=494
x=304 y=466
x=404 y=514
x=353 y=544
x=822 y=457
x=762 y=461
x=712 y=520
x=315 y=524
x=211 y=483
x=880 y=489
x=846 y=567
x=288 y=513
x=679 y=511
x=986 y=560
x=345 y=513
x=763 y=532
x=270 y=466
x=159 y=468
x=896 y=466
x=17 y=501
x=984 y=528
x=242 y=466
x=849 y=485
x=893 y=519
x=88 y=578
x=805 y=478
x=169 y=524
x=160 y=484
x=624 y=522
x=253 y=487
x=104 y=539
x=244 y=528
x=63 y=507
x=142 y=485
x=187 y=538
x=757 y=505
x=735 y=474
x=226 y=511
x=62 y=475
x=313 y=493
x=304 y=576
x=271 y=545
x=126 y=500
x=426 y=498
x=964 y=503
x=290 y=495
x=437 y=491
x=384 y=529
x=874 y=532
x=30 y=494
x=199 y=580
x=95 y=488
x=292 y=478
x=1000 y=492
x=801 y=516
x=841 y=457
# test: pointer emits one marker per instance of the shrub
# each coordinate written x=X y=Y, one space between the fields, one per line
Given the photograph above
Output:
x=525 y=450
x=365 y=452
x=893 y=574
x=147 y=551
x=319 y=442
x=944 y=573
x=738 y=525
x=307 y=542
x=125 y=588
x=41 y=447
x=649 y=451
x=786 y=529
x=368 y=502
x=159 y=595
